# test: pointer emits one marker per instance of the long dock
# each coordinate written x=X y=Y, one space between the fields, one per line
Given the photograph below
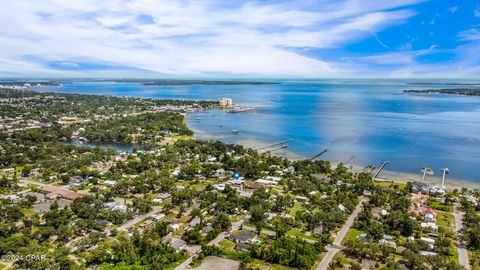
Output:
x=277 y=148
x=273 y=144
x=232 y=132
x=384 y=163
x=319 y=154
x=350 y=159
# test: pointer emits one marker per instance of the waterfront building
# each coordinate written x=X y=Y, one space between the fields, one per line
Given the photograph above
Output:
x=225 y=102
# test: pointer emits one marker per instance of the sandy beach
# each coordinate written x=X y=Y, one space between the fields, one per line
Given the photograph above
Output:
x=385 y=175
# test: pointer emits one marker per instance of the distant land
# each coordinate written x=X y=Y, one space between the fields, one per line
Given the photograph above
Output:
x=32 y=83
x=452 y=91
x=197 y=82
x=440 y=83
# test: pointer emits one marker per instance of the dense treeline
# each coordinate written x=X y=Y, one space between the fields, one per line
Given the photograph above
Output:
x=471 y=231
x=49 y=106
x=288 y=251
x=141 y=251
x=136 y=129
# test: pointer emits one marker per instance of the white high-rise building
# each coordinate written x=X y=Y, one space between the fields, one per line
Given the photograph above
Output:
x=225 y=102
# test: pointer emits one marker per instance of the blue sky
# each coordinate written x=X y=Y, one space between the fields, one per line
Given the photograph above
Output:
x=311 y=38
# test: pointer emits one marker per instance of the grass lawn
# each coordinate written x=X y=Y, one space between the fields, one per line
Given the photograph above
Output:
x=455 y=252
x=227 y=245
x=472 y=254
x=340 y=256
x=180 y=137
x=237 y=217
x=388 y=184
x=351 y=234
x=297 y=207
x=28 y=212
x=297 y=233
x=184 y=219
x=171 y=216
x=2 y=266
x=199 y=186
x=445 y=220
x=440 y=206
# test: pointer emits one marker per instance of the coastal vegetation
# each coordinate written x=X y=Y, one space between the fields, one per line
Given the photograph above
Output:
x=451 y=91
x=93 y=207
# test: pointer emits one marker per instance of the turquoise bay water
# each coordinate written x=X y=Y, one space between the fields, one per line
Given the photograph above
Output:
x=359 y=121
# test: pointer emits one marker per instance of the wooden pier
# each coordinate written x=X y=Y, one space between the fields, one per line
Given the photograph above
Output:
x=319 y=154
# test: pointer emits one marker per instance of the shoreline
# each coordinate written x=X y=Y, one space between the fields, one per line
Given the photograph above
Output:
x=385 y=175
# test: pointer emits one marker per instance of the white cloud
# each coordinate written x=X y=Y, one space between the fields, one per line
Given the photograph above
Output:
x=476 y=12
x=191 y=38
x=470 y=35
x=453 y=9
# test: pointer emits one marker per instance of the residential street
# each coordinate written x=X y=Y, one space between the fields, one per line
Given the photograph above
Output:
x=462 y=251
x=336 y=246
x=125 y=226
x=41 y=185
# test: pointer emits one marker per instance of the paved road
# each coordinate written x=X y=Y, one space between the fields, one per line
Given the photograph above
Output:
x=462 y=251
x=125 y=226
x=27 y=181
x=336 y=246
x=184 y=264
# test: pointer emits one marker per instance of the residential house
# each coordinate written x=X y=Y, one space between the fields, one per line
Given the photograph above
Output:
x=243 y=247
x=177 y=244
x=430 y=225
x=385 y=242
x=429 y=241
x=318 y=229
x=158 y=217
x=378 y=212
x=429 y=215
x=422 y=188
x=194 y=222
x=243 y=237
x=301 y=199
x=115 y=206
x=161 y=197
x=110 y=183
x=103 y=222
x=266 y=182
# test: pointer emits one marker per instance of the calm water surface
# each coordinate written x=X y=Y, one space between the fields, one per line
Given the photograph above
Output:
x=359 y=121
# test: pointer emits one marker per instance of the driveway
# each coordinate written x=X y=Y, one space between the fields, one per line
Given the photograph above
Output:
x=462 y=251
x=336 y=246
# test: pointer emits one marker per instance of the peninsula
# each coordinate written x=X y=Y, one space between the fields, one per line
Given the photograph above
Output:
x=451 y=91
